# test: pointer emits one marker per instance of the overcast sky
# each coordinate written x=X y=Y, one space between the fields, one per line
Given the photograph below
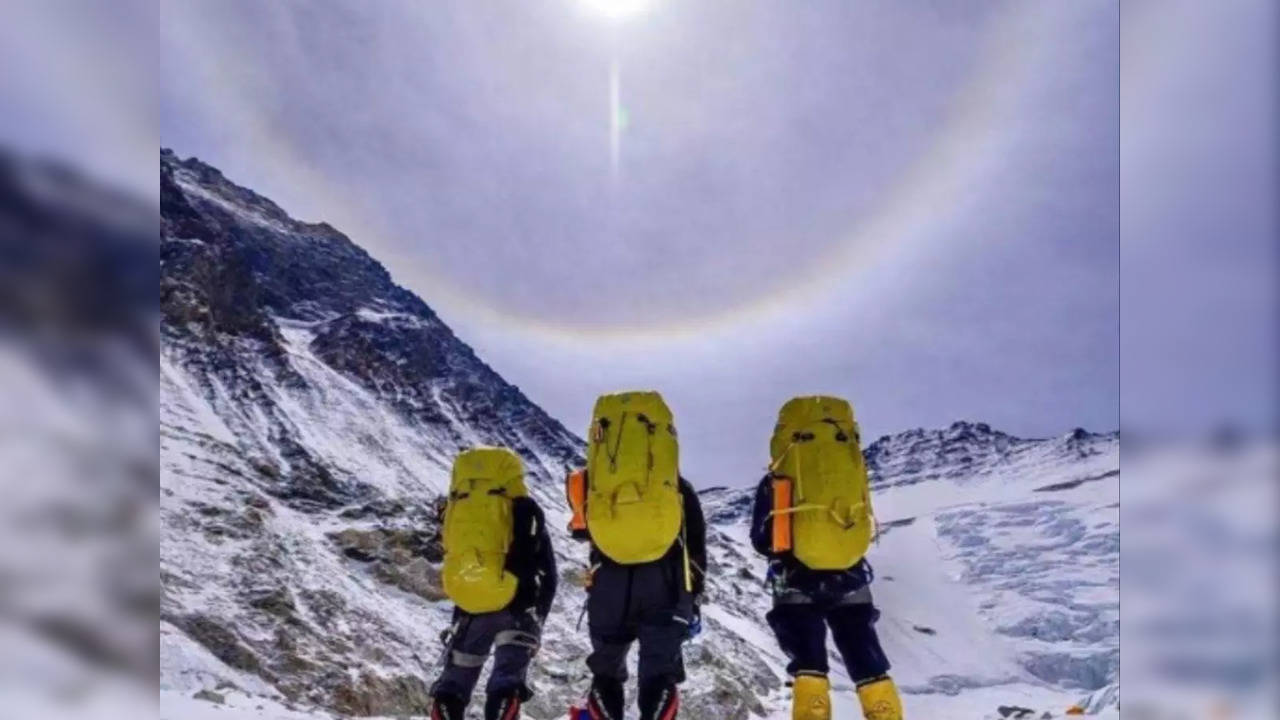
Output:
x=913 y=205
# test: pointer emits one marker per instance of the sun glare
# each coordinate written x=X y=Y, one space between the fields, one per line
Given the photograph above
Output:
x=617 y=9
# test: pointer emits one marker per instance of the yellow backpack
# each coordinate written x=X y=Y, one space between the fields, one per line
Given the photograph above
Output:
x=821 y=493
x=634 y=511
x=478 y=528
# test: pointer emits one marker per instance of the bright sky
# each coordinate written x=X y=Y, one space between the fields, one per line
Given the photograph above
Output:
x=914 y=205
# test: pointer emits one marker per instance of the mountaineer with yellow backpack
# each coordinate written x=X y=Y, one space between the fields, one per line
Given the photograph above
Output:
x=812 y=518
x=500 y=572
x=648 y=551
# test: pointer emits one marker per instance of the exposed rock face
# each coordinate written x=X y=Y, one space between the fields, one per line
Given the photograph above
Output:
x=407 y=559
x=223 y=642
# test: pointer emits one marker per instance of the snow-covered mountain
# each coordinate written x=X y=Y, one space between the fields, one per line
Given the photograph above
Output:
x=309 y=412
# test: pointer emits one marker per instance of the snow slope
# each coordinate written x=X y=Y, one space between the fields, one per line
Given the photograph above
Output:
x=309 y=411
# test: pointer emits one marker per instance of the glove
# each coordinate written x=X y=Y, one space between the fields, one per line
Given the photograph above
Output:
x=695 y=619
x=776 y=579
x=531 y=622
x=455 y=622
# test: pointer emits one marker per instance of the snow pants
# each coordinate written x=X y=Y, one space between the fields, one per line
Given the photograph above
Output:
x=800 y=623
x=514 y=639
x=647 y=603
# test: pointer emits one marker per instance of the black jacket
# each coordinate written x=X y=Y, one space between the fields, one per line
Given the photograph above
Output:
x=531 y=558
x=784 y=569
x=694 y=533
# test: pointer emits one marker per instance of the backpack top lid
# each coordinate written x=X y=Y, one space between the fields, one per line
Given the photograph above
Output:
x=804 y=414
x=634 y=402
x=494 y=466
x=629 y=412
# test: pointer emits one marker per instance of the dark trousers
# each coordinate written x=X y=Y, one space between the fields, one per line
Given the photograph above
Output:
x=800 y=624
x=647 y=603
x=514 y=641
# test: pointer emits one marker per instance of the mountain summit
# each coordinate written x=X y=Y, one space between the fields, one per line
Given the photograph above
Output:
x=267 y=308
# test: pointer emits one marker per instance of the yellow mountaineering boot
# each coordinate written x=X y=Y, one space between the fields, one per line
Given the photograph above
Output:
x=811 y=698
x=879 y=698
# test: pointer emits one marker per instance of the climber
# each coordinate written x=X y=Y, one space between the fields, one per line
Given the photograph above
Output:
x=812 y=518
x=500 y=573
x=648 y=552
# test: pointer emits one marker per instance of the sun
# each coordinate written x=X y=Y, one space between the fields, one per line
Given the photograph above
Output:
x=617 y=9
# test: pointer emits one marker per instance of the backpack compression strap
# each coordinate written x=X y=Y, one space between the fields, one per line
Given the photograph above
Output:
x=798 y=437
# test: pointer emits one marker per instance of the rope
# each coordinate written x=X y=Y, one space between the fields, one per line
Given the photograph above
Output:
x=617 y=445
x=684 y=546
x=773 y=465
x=842 y=522
x=648 y=439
